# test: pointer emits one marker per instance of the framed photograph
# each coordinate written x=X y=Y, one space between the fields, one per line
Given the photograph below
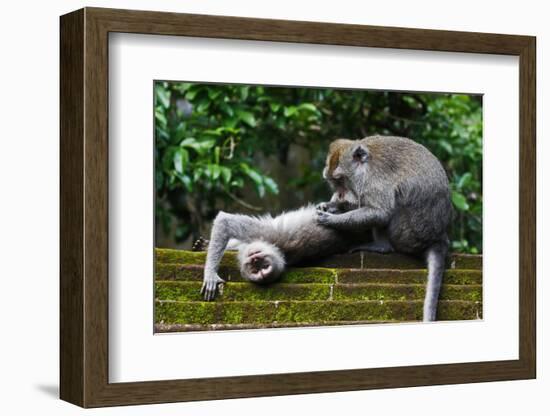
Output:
x=254 y=207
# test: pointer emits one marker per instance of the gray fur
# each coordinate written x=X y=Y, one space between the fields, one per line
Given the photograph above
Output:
x=268 y=244
x=399 y=190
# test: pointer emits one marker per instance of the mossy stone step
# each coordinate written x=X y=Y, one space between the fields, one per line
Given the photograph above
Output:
x=172 y=271
x=304 y=312
x=451 y=276
x=356 y=260
x=190 y=291
x=396 y=261
x=164 y=328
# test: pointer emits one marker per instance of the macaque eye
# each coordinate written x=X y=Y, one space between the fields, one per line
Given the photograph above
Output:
x=360 y=154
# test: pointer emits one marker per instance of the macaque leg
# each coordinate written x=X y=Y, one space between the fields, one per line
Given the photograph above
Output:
x=225 y=227
x=381 y=243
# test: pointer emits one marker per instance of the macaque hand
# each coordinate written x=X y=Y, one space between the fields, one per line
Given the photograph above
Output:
x=330 y=207
x=324 y=217
x=210 y=286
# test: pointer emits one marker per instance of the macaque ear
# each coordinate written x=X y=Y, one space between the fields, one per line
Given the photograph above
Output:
x=360 y=154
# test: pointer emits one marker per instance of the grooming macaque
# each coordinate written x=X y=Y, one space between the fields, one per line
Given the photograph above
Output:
x=266 y=245
x=399 y=190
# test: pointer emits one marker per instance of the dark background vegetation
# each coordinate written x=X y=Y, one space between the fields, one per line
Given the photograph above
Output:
x=256 y=149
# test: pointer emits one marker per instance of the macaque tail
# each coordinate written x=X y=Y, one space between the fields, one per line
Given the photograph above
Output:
x=435 y=258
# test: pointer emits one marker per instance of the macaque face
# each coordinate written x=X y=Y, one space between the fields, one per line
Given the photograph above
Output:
x=349 y=171
x=261 y=262
x=339 y=169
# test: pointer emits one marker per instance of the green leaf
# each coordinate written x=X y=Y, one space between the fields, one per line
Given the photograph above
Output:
x=214 y=92
x=237 y=183
x=168 y=158
x=163 y=96
x=246 y=117
x=181 y=131
x=464 y=180
x=181 y=157
x=226 y=108
x=160 y=117
x=214 y=171
x=197 y=174
x=244 y=93
x=274 y=107
x=255 y=176
x=308 y=107
x=188 y=142
x=203 y=105
x=257 y=179
x=290 y=111
x=159 y=179
x=447 y=146
x=225 y=174
x=201 y=147
x=271 y=185
x=187 y=182
x=459 y=201
x=192 y=93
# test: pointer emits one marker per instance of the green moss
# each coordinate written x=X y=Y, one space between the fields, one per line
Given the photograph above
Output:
x=192 y=272
x=451 y=276
x=463 y=277
x=466 y=261
x=172 y=271
x=304 y=312
x=165 y=255
x=375 y=291
x=472 y=293
x=191 y=312
x=459 y=310
x=308 y=275
x=371 y=260
x=190 y=291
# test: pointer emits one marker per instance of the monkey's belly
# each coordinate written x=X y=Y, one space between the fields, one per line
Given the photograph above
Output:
x=414 y=235
x=318 y=243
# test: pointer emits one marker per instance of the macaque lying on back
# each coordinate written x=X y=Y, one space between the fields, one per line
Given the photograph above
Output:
x=267 y=245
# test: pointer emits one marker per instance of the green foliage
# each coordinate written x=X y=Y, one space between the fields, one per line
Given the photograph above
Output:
x=209 y=138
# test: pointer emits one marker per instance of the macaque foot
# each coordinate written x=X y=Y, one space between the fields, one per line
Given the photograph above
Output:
x=200 y=245
x=210 y=286
x=381 y=247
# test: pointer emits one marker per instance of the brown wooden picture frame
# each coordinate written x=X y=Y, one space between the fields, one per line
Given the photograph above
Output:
x=84 y=207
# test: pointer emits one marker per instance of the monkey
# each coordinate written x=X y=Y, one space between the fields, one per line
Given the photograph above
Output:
x=400 y=192
x=267 y=245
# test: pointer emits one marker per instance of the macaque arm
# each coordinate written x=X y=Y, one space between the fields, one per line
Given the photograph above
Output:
x=336 y=205
x=225 y=227
x=360 y=218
